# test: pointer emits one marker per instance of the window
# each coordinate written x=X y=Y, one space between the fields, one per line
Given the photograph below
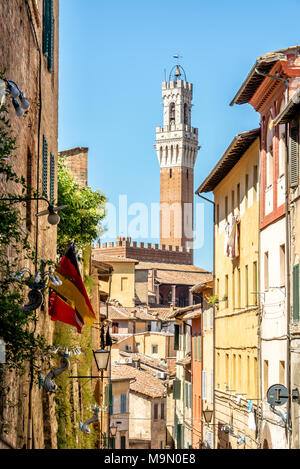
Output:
x=239 y=374
x=266 y=377
x=172 y=113
x=115 y=328
x=226 y=208
x=227 y=369
x=123 y=403
x=162 y=411
x=123 y=442
x=246 y=286
x=294 y=155
x=296 y=293
x=176 y=336
x=255 y=283
x=255 y=181
x=45 y=168
x=282 y=145
x=234 y=372
x=246 y=190
x=282 y=265
x=232 y=203
x=226 y=291
x=186 y=394
x=52 y=177
x=154 y=349
x=199 y=347
x=269 y=151
x=239 y=287
x=204 y=320
x=186 y=114
x=204 y=397
x=48 y=33
x=171 y=173
x=155 y=411
x=176 y=388
x=266 y=271
x=124 y=283
x=238 y=196
x=282 y=372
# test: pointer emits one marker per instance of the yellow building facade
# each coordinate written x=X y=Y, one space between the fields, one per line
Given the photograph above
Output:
x=235 y=184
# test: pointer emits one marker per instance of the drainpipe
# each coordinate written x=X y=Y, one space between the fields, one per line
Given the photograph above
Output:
x=214 y=320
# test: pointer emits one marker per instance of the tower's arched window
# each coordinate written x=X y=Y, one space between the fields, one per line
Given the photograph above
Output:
x=172 y=113
x=186 y=114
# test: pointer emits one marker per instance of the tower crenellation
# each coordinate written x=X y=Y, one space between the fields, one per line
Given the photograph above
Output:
x=177 y=148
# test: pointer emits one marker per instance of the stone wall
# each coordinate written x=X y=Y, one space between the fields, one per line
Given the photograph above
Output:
x=21 y=56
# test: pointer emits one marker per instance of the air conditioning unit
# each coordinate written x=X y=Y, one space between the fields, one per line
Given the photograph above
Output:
x=161 y=375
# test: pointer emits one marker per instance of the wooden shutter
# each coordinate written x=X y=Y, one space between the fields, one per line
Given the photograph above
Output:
x=111 y=400
x=123 y=403
x=199 y=347
x=52 y=177
x=176 y=388
x=48 y=33
x=294 y=155
x=296 y=293
x=176 y=337
x=45 y=168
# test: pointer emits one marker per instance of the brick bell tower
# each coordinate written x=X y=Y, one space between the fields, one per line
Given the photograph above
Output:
x=177 y=148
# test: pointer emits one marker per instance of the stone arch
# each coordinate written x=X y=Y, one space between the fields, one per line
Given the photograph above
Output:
x=266 y=437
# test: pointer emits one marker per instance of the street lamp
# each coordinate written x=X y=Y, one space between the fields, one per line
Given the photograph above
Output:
x=113 y=430
x=207 y=415
x=101 y=358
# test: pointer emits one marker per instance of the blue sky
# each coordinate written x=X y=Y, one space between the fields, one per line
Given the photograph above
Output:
x=112 y=59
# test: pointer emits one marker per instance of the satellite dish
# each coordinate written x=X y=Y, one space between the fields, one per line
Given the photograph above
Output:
x=51 y=209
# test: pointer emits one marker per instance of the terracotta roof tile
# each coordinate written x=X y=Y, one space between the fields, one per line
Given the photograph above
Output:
x=144 y=382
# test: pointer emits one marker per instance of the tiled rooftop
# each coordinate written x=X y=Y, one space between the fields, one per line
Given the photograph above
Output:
x=144 y=382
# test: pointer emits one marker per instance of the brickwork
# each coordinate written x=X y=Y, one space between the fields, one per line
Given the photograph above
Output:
x=21 y=56
x=130 y=249
x=77 y=162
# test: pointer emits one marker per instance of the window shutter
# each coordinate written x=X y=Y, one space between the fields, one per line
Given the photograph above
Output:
x=186 y=395
x=48 y=33
x=296 y=293
x=45 y=168
x=190 y=389
x=123 y=403
x=195 y=347
x=294 y=156
x=176 y=388
x=175 y=427
x=46 y=20
x=176 y=337
x=106 y=396
x=204 y=385
x=111 y=400
x=52 y=177
x=51 y=37
x=199 y=347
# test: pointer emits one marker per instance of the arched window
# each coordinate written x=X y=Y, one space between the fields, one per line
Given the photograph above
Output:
x=172 y=113
x=281 y=142
x=269 y=152
x=186 y=114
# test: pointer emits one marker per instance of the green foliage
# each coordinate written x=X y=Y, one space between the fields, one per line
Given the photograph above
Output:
x=17 y=328
x=80 y=221
x=68 y=412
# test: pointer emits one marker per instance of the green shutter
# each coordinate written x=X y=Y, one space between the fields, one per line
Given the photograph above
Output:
x=294 y=156
x=48 y=33
x=186 y=395
x=51 y=37
x=111 y=400
x=45 y=168
x=176 y=337
x=296 y=293
x=176 y=388
x=106 y=396
x=199 y=347
x=52 y=177
x=46 y=19
x=175 y=427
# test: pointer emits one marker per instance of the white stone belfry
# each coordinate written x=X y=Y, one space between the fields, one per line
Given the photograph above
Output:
x=177 y=141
